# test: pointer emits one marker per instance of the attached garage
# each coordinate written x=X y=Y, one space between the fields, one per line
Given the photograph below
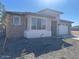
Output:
x=64 y=27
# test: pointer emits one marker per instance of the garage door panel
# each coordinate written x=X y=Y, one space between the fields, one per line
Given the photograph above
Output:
x=63 y=29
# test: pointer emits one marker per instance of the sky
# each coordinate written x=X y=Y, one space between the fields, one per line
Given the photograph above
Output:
x=70 y=8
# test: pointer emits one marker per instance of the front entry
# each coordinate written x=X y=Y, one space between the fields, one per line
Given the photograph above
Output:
x=54 y=28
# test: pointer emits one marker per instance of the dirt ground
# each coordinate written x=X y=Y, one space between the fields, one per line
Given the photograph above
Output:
x=75 y=32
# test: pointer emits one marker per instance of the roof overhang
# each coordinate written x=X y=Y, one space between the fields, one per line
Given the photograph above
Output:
x=28 y=13
x=66 y=21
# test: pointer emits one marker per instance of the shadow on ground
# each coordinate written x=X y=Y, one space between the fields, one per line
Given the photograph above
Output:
x=37 y=46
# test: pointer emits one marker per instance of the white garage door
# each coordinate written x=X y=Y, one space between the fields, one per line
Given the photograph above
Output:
x=63 y=29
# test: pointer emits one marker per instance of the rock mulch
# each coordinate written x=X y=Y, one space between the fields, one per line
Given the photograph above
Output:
x=65 y=53
x=50 y=49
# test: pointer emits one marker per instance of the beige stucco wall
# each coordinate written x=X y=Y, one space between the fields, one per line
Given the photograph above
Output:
x=50 y=13
x=30 y=33
x=48 y=21
x=53 y=14
x=13 y=31
x=48 y=25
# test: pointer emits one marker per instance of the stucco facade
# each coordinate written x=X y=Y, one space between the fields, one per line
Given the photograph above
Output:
x=13 y=31
x=52 y=19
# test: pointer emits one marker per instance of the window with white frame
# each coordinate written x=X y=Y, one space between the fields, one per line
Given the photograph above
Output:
x=16 y=20
x=34 y=23
x=38 y=24
x=43 y=24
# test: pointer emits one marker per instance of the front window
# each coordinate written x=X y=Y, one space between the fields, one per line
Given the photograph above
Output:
x=38 y=24
x=43 y=24
x=16 y=20
x=34 y=23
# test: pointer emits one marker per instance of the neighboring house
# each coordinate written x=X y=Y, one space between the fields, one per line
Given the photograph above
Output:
x=75 y=28
x=75 y=31
x=44 y=23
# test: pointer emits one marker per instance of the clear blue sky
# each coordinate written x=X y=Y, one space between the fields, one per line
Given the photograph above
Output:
x=69 y=7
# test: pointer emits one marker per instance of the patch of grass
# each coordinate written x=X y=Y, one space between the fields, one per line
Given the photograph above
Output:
x=69 y=40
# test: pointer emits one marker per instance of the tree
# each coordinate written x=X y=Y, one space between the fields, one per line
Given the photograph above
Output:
x=2 y=18
x=2 y=13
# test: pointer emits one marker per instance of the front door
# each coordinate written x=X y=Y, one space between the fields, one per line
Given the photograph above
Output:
x=54 y=28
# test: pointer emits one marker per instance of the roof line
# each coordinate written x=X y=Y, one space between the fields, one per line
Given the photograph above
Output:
x=66 y=21
x=52 y=10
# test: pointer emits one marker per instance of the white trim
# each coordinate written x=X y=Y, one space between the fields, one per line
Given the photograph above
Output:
x=19 y=23
x=37 y=33
x=36 y=24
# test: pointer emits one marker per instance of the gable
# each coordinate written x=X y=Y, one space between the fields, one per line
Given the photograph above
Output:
x=49 y=12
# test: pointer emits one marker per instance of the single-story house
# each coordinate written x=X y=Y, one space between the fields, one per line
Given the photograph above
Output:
x=44 y=23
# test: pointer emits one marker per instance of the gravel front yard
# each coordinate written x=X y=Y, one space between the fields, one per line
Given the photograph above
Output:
x=71 y=52
x=44 y=48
